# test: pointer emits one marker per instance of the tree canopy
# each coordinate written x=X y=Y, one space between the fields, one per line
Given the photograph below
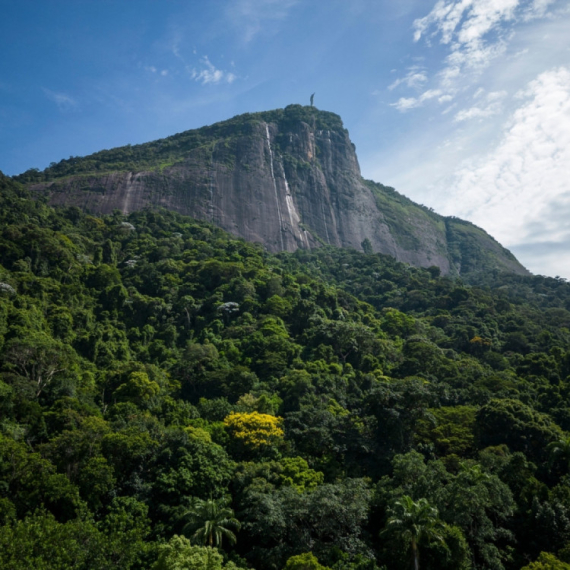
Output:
x=155 y=373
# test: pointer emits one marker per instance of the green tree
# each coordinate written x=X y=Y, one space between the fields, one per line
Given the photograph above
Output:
x=519 y=426
x=305 y=561
x=560 y=449
x=547 y=561
x=40 y=541
x=285 y=522
x=40 y=359
x=211 y=521
x=179 y=554
x=416 y=522
x=480 y=504
x=32 y=482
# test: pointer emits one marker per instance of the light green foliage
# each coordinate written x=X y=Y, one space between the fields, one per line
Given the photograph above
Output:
x=306 y=561
x=264 y=404
x=296 y=472
x=179 y=554
x=39 y=541
x=450 y=430
x=138 y=389
x=547 y=561
x=289 y=471
x=398 y=323
x=198 y=434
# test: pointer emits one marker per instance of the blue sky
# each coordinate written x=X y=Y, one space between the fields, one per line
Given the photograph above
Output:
x=462 y=105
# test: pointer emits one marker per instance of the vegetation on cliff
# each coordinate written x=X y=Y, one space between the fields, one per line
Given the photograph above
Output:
x=157 y=154
x=165 y=389
x=205 y=172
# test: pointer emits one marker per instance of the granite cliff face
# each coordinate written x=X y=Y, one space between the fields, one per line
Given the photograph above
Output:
x=288 y=178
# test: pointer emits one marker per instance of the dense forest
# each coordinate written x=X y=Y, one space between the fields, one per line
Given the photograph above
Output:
x=173 y=398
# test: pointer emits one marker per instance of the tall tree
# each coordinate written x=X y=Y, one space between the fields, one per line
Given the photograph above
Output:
x=560 y=449
x=415 y=522
x=211 y=521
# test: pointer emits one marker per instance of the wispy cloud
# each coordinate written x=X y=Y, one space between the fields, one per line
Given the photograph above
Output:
x=490 y=104
x=520 y=190
x=254 y=17
x=153 y=69
x=63 y=101
x=209 y=74
x=475 y=32
x=407 y=103
x=415 y=78
x=205 y=72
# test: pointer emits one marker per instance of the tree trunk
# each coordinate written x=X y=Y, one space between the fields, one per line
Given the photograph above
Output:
x=416 y=554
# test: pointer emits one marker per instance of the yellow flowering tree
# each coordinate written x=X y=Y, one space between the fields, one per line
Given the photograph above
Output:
x=254 y=432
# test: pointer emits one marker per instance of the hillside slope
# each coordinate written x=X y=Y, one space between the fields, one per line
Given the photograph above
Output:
x=153 y=365
x=287 y=178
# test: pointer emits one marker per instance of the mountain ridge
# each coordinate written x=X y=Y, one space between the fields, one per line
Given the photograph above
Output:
x=287 y=178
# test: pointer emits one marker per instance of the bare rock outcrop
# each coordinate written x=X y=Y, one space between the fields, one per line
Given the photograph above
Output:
x=279 y=180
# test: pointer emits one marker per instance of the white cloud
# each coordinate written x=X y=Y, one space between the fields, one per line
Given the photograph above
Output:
x=492 y=104
x=537 y=9
x=253 y=17
x=407 y=103
x=520 y=190
x=496 y=96
x=476 y=32
x=465 y=21
x=430 y=94
x=485 y=155
x=62 y=100
x=206 y=73
x=209 y=74
x=415 y=78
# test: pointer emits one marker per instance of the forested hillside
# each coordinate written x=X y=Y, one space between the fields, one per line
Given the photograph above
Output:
x=172 y=398
x=287 y=178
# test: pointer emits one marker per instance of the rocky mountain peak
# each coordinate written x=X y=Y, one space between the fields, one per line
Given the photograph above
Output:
x=287 y=178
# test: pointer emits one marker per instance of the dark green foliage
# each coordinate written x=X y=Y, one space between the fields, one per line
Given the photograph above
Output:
x=122 y=352
x=284 y=522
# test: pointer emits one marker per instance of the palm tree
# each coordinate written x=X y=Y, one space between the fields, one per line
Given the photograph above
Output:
x=210 y=521
x=560 y=449
x=415 y=522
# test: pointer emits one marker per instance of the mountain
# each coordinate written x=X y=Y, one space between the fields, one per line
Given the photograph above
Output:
x=287 y=178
